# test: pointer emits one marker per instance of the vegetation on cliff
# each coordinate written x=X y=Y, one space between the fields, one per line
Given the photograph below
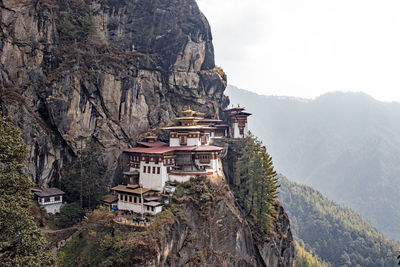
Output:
x=304 y=258
x=83 y=180
x=258 y=186
x=336 y=234
x=21 y=242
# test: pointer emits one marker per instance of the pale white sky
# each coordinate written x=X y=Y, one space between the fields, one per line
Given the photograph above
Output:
x=305 y=48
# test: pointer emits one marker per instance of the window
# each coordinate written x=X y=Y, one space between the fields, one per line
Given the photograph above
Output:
x=203 y=139
x=152 y=208
x=149 y=169
x=158 y=170
x=46 y=199
x=154 y=169
x=126 y=198
x=144 y=169
x=241 y=131
x=182 y=140
x=120 y=197
x=135 y=200
x=147 y=159
x=204 y=158
x=130 y=198
x=57 y=198
x=168 y=169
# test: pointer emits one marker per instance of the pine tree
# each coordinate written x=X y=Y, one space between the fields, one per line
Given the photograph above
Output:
x=258 y=187
x=84 y=181
x=21 y=242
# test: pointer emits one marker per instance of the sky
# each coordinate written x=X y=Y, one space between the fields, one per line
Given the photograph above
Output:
x=305 y=48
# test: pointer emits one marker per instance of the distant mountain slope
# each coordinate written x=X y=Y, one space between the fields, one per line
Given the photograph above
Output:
x=337 y=235
x=347 y=145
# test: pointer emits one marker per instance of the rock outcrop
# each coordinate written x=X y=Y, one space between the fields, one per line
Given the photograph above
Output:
x=206 y=228
x=104 y=70
x=111 y=71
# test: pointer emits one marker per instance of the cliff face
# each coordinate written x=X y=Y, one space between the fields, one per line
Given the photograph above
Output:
x=204 y=227
x=108 y=70
x=111 y=71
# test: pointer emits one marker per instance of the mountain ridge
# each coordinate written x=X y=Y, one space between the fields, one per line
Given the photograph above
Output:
x=345 y=147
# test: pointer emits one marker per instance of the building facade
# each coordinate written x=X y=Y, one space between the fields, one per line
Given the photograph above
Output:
x=51 y=199
x=188 y=153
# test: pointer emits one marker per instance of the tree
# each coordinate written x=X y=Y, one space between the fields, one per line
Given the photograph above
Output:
x=21 y=242
x=257 y=191
x=84 y=179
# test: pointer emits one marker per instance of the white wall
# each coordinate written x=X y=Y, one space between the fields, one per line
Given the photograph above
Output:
x=51 y=202
x=179 y=178
x=174 y=142
x=135 y=207
x=53 y=208
x=157 y=209
x=193 y=141
x=236 y=131
x=153 y=180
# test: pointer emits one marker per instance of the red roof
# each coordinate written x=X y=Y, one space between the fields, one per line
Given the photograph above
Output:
x=208 y=148
x=150 y=150
x=198 y=148
x=152 y=144
x=165 y=149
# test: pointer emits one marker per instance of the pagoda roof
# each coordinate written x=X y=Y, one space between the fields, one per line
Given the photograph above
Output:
x=166 y=149
x=189 y=118
x=198 y=148
x=150 y=150
x=152 y=144
x=188 y=127
x=210 y=120
x=238 y=108
x=128 y=189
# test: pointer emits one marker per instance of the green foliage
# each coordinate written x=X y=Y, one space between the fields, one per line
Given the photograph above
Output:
x=21 y=242
x=88 y=25
x=258 y=188
x=303 y=258
x=343 y=144
x=336 y=234
x=84 y=177
x=69 y=215
x=67 y=32
x=77 y=29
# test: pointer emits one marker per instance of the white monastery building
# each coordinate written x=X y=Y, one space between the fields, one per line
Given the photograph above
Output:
x=189 y=152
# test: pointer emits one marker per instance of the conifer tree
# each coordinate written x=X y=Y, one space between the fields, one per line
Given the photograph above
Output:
x=258 y=187
x=21 y=242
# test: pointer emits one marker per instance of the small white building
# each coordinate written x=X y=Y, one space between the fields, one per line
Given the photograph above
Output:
x=51 y=199
x=137 y=199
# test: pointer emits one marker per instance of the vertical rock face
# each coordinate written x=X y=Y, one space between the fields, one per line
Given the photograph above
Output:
x=105 y=70
x=111 y=71
x=209 y=230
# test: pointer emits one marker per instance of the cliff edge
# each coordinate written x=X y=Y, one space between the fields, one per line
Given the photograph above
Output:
x=104 y=70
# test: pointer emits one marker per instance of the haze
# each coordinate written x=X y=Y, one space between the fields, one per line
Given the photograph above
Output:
x=306 y=48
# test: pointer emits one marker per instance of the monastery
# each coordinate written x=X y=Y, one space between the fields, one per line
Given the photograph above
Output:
x=154 y=165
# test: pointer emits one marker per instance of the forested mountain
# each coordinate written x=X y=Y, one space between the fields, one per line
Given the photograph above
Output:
x=336 y=234
x=346 y=145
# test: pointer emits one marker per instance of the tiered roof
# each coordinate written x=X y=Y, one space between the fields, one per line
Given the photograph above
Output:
x=166 y=149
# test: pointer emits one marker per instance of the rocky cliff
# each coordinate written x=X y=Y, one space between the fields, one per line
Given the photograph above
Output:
x=110 y=71
x=104 y=70
x=209 y=230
